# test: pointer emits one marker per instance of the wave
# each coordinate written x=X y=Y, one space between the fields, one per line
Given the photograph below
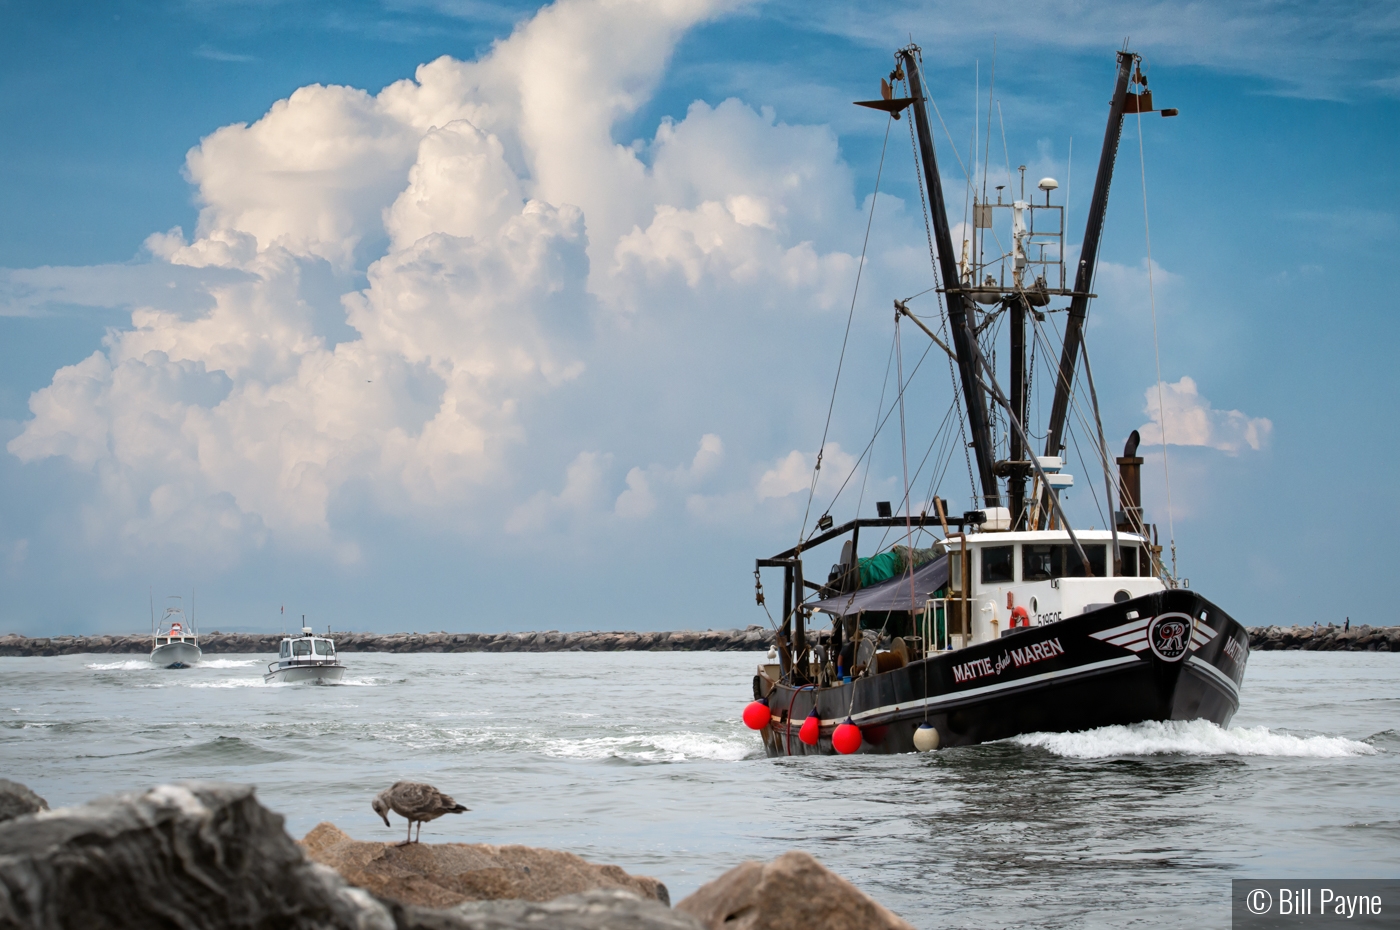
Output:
x=652 y=749
x=126 y=665
x=228 y=663
x=1191 y=738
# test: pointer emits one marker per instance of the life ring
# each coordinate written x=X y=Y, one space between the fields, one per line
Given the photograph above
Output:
x=1019 y=617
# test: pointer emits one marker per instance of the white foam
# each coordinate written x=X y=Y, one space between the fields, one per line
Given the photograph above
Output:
x=660 y=747
x=229 y=683
x=129 y=665
x=228 y=663
x=1191 y=738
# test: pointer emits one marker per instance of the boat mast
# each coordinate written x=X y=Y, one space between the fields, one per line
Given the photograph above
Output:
x=1016 y=470
x=1088 y=257
x=958 y=322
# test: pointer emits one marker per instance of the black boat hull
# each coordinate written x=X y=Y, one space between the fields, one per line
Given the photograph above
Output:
x=1167 y=656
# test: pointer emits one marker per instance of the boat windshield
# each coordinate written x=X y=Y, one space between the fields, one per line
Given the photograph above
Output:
x=324 y=647
x=301 y=647
x=1039 y=563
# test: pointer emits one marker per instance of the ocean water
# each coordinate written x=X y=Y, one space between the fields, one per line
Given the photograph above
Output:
x=640 y=759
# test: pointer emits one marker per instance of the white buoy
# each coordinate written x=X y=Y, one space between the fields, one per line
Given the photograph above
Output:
x=925 y=738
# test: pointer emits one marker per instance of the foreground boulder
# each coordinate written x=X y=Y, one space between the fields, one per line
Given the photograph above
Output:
x=16 y=800
x=192 y=856
x=793 y=892
x=440 y=875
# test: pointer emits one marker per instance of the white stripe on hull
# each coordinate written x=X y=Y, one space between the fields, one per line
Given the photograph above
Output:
x=1216 y=676
x=958 y=696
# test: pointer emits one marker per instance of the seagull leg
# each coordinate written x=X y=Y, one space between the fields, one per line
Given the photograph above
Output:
x=409 y=838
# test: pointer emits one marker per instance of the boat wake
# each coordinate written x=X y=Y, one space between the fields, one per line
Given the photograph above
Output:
x=228 y=663
x=645 y=749
x=1191 y=738
x=126 y=665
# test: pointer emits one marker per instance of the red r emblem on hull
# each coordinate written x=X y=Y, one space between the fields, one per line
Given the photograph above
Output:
x=1169 y=635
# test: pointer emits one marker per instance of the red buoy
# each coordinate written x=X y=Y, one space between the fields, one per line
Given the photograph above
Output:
x=811 y=731
x=846 y=738
x=757 y=715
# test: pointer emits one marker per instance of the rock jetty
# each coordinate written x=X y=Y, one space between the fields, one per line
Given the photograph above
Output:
x=1328 y=638
x=755 y=638
x=205 y=856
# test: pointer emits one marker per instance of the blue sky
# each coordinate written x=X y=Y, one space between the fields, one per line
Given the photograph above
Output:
x=543 y=335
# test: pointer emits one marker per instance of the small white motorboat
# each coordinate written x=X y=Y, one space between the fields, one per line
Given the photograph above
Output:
x=174 y=642
x=305 y=658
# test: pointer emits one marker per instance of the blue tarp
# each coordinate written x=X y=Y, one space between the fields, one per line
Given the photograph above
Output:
x=893 y=594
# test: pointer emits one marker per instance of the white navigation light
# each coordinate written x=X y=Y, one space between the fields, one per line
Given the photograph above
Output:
x=1048 y=184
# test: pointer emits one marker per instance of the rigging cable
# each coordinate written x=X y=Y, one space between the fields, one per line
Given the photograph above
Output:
x=904 y=460
x=860 y=268
x=1156 y=351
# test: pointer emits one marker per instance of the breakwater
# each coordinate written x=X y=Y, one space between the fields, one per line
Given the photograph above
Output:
x=1328 y=638
x=755 y=638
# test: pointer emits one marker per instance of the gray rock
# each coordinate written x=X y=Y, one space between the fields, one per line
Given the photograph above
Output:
x=192 y=856
x=793 y=892
x=601 y=909
x=751 y=639
x=16 y=800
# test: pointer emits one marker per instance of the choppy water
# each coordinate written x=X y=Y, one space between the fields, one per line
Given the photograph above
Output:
x=640 y=759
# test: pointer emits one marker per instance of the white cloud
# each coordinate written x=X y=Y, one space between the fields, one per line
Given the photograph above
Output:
x=586 y=482
x=793 y=472
x=583 y=491
x=510 y=251
x=1191 y=421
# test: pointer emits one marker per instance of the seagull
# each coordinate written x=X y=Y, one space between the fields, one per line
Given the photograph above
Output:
x=417 y=802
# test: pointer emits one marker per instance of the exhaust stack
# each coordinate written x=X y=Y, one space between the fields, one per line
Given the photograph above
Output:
x=1129 y=515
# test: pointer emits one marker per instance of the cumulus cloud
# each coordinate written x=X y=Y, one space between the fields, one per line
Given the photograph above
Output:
x=497 y=226
x=1191 y=421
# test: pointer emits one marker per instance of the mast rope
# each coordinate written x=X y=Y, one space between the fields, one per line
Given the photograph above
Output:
x=1156 y=352
x=845 y=339
x=904 y=460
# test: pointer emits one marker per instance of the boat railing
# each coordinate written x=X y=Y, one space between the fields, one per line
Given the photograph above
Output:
x=934 y=623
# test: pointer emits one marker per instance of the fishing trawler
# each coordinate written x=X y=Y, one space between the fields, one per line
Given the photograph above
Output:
x=174 y=641
x=1002 y=619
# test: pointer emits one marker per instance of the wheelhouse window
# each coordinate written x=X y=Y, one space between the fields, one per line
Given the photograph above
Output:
x=1041 y=563
x=998 y=564
x=301 y=647
x=286 y=649
x=324 y=648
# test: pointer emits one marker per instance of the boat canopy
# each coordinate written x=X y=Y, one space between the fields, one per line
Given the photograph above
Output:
x=892 y=594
